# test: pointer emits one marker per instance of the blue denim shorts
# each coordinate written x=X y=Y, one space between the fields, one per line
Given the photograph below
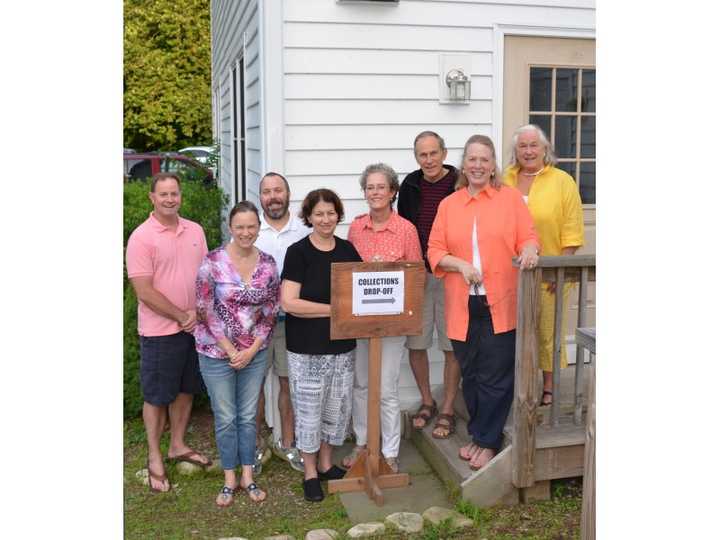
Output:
x=168 y=366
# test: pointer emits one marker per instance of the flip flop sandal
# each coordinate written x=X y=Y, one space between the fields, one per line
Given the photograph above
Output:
x=254 y=491
x=449 y=426
x=227 y=494
x=158 y=478
x=426 y=413
x=187 y=458
x=548 y=393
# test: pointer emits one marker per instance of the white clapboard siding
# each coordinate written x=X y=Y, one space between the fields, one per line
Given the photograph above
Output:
x=363 y=86
x=230 y=19
x=380 y=62
x=357 y=36
x=354 y=83
x=337 y=162
x=458 y=15
x=384 y=112
x=395 y=137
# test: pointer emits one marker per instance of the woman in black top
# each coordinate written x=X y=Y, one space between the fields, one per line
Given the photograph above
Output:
x=321 y=371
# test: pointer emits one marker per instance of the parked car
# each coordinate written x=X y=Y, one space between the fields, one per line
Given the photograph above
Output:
x=199 y=153
x=139 y=166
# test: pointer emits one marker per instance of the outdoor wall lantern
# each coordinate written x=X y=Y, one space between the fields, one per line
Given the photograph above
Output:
x=459 y=85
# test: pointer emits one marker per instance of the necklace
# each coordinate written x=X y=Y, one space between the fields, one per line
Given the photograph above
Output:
x=531 y=173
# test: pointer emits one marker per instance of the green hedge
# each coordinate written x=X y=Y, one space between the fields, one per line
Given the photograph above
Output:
x=200 y=203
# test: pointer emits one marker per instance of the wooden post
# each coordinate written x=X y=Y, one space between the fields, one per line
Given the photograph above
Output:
x=373 y=406
x=587 y=519
x=526 y=366
x=371 y=473
x=579 y=351
x=558 y=338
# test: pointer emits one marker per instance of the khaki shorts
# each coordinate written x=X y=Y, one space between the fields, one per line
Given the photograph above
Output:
x=277 y=351
x=433 y=317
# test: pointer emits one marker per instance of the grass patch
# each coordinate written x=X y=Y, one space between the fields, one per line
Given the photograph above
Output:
x=558 y=518
x=189 y=511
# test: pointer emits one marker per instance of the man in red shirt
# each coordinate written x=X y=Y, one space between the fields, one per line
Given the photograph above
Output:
x=420 y=194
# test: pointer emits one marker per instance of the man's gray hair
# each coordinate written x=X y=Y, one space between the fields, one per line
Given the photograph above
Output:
x=549 y=159
x=390 y=175
x=429 y=133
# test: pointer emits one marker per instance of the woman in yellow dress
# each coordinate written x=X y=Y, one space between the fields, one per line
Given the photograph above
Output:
x=554 y=202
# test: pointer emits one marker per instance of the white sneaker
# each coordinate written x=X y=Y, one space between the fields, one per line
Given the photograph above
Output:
x=290 y=454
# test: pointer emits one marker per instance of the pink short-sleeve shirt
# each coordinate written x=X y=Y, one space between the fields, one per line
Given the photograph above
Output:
x=396 y=241
x=172 y=259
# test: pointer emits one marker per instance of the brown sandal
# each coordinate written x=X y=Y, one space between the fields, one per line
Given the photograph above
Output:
x=158 y=478
x=426 y=413
x=448 y=424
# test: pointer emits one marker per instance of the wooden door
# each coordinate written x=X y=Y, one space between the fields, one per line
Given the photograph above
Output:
x=551 y=82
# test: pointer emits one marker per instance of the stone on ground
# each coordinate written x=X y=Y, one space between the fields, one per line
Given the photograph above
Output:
x=322 y=534
x=408 y=522
x=142 y=477
x=366 y=529
x=234 y=538
x=187 y=469
x=280 y=537
x=437 y=514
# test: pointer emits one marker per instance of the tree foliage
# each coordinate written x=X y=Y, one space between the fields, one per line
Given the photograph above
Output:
x=167 y=74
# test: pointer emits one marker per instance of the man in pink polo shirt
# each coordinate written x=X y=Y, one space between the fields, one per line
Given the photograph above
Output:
x=163 y=257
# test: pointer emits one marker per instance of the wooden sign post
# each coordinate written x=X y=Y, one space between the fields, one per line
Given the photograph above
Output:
x=374 y=300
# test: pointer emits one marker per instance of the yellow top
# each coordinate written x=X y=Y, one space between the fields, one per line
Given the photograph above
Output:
x=556 y=209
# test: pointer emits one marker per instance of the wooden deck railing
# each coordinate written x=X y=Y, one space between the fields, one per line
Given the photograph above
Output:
x=560 y=270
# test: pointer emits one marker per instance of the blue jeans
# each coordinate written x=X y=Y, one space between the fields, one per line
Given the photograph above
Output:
x=234 y=396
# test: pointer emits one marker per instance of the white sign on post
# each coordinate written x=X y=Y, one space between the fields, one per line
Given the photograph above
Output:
x=378 y=293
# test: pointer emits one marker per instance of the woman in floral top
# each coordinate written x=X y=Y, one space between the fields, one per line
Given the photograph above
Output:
x=237 y=300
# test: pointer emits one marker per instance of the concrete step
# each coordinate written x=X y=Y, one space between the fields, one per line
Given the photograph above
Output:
x=442 y=454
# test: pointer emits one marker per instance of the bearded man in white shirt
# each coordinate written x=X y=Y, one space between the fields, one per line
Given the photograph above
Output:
x=279 y=230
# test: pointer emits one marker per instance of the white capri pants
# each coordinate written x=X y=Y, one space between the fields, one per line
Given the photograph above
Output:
x=393 y=349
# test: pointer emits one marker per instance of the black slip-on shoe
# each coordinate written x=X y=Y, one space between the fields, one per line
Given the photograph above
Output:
x=333 y=473
x=313 y=490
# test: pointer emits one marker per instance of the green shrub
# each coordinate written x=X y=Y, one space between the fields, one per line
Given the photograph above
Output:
x=166 y=74
x=200 y=203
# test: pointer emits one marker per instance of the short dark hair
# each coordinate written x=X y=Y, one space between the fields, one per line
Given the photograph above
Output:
x=429 y=133
x=271 y=173
x=243 y=206
x=157 y=177
x=314 y=197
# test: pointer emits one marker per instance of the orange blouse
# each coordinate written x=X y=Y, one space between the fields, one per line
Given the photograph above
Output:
x=504 y=227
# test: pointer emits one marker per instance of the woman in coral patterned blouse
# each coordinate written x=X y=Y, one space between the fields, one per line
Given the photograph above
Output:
x=238 y=291
x=381 y=235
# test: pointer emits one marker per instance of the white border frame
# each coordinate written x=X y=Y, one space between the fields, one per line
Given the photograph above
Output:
x=499 y=33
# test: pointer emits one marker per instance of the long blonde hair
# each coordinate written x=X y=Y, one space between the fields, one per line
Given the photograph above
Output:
x=495 y=180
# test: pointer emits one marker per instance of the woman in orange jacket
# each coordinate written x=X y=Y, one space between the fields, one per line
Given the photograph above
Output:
x=476 y=233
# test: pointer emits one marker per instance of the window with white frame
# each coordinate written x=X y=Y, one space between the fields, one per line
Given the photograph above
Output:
x=562 y=103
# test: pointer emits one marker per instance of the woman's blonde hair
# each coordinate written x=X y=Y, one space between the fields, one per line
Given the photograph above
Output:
x=495 y=180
